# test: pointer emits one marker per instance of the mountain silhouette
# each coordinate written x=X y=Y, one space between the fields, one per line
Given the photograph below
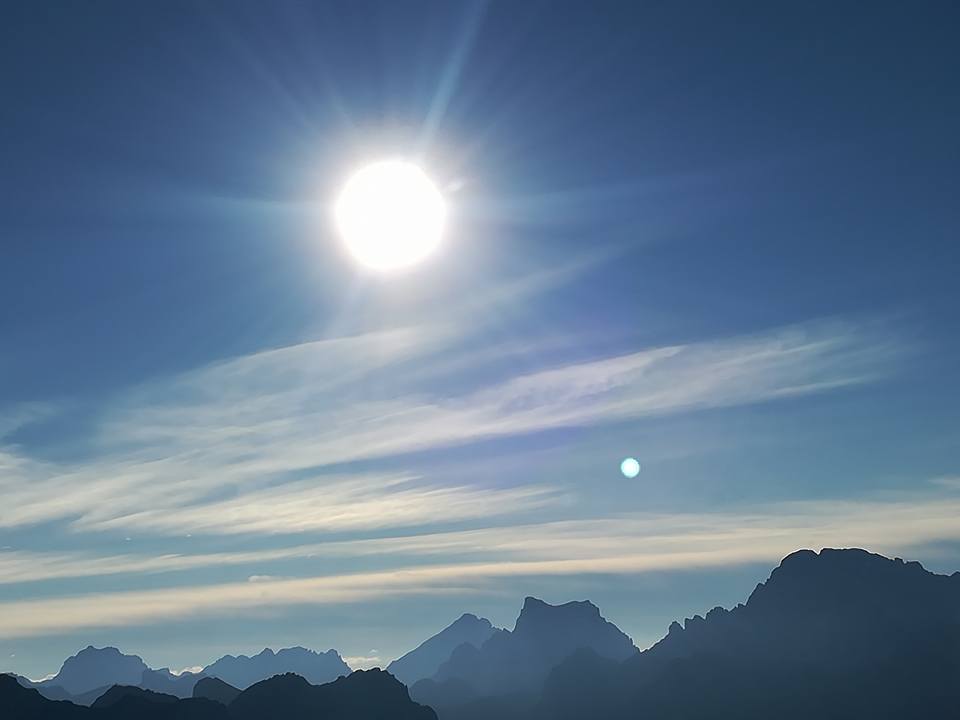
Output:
x=840 y=633
x=124 y=693
x=243 y=671
x=425 y=660
x=364 y=695
x=122 y=703
x=835 y=634
x=215 y=689
x=25 y=703
x=54 y=692
x=516 y=663
x=84 y=677
x=94 y=668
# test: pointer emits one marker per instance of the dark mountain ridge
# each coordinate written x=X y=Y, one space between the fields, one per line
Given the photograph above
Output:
x=840 y=633
x=216 y=689
x=364 y=695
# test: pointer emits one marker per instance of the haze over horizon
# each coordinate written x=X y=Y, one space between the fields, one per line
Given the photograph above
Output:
x=722 y=241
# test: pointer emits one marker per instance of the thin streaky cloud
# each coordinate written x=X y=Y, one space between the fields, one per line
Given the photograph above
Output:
x=316 y=505
x=172 y=458
x=660 y=542
x=586 y=539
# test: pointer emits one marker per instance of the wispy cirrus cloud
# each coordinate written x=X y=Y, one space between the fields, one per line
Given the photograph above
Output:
x=246 y=446
x=471 y=561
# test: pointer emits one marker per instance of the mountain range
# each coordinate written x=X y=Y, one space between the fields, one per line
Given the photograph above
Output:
x=243 y=671
x=86 y=676
x=363 y=695
x=834 y=634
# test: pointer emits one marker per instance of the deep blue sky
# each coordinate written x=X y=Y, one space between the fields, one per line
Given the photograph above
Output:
x=721 y=237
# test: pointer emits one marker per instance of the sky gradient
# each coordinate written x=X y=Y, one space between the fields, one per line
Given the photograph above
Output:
x=722 y=240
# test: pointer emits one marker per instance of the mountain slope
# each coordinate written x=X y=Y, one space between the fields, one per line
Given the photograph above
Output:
x=243 y=671
x=842 y=633
x=24 y=703
x=124 y=702
x=837 y=610
x=425 y=660
x=215 y=689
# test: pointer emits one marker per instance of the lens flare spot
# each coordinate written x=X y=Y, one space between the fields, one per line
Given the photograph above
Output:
x=630 y=467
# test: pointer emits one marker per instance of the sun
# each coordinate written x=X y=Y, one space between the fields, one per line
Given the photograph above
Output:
x=390 y=215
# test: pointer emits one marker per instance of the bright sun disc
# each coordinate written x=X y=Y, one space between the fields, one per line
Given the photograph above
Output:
x=390 y=215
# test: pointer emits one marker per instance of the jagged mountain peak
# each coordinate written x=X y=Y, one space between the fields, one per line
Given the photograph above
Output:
x=469 y=619
x=101 y=653
x=241 y=671
x=805 y=561
x=559 y=628
x=826 y=607
x=425 y=660
x=850 y=576
x=94 y=667
x=536 y=610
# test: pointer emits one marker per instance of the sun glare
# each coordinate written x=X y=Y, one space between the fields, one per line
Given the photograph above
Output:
x=390 y=215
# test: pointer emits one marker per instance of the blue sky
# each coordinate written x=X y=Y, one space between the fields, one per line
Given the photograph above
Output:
x=720 y=239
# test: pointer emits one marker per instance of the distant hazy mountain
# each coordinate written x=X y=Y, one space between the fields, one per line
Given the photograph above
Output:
x=164 y=681
x=425 y=660
x=94 y=668
x=839 y=634
x=84 y=677
x=516 y=663
x=215 y=689
x=370 y=695
x=242 y=671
